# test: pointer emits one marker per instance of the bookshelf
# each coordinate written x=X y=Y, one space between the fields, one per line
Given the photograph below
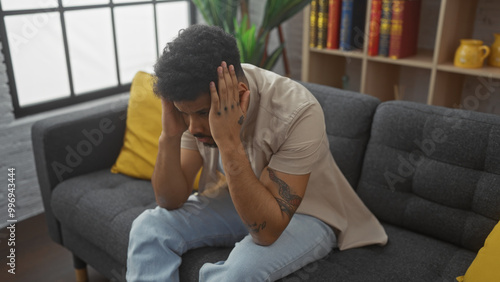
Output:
x=428 y=77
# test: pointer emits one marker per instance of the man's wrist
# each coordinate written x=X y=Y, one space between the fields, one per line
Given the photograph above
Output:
x=231 y=148
x=234 y=158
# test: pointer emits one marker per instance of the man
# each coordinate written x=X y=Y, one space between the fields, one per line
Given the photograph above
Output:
x=285 y=204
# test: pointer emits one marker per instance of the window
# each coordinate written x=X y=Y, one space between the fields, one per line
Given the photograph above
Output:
x=61 y=52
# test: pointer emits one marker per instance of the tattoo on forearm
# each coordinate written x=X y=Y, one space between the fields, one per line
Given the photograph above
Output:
x=240 y=121
x=255 y=228
x=288 y=202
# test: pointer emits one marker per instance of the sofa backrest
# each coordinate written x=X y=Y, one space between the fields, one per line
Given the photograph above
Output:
x=348 y=117
x=434 y=170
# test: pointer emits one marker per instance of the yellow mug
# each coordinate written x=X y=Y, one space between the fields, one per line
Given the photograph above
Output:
x=471 y=54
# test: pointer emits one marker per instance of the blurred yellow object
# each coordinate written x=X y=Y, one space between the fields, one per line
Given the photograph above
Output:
x=137 y=157
x=495 y=52
x=197 y=180
x=485 y=267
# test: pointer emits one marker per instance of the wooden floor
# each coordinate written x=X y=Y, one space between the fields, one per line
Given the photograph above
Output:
x=38 y=258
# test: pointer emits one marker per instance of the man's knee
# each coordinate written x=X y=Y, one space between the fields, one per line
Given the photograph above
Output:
x=143 y=221
x=155 y=227
x=152 y=221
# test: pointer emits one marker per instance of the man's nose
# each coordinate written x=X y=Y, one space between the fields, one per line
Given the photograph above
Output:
x=195 y=125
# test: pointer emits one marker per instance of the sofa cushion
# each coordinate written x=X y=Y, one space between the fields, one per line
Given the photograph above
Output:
x=140 y=144
x=348 y=118
x=408 y=256
x=433 y=170
x=101 y=206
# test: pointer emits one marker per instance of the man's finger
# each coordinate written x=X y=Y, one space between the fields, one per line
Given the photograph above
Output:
x=222 y=88
x=167 y=106
x=234 y=83
x=214 y=99
x=229 y=84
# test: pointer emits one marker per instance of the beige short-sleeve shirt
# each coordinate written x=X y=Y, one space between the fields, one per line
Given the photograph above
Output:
x=285 y=130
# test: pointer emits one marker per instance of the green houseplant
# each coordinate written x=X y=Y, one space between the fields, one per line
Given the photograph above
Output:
x=252 y=43
x=219 y=12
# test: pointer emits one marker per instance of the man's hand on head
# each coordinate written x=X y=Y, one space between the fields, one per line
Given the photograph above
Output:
x=173 y=124
x=228 y=108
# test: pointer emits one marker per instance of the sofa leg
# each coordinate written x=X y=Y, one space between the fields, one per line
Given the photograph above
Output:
x=81 y=275
x=80 y=269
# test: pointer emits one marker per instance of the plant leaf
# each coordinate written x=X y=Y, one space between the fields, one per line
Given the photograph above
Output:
x=219 y=12
x=277 y=12
x=271 y=61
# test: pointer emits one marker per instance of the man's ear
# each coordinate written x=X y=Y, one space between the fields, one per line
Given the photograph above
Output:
x=244 y=93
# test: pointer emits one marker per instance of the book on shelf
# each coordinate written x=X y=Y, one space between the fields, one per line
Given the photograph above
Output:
x=385 y=28
x=334 y=9
x=313 y=23
x=374 y=32
x=404 y=28
x=322 y=23
x=352 y=24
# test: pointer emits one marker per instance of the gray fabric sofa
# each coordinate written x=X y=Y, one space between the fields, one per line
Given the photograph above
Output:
x=431 y=175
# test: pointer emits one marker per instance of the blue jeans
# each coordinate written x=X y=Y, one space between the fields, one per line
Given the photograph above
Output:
x=159 y=238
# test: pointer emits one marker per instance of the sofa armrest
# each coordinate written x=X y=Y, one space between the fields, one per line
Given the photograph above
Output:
x=74 y=144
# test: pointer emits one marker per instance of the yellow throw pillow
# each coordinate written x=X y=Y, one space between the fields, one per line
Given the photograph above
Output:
x=486 y=265
x=143 y=128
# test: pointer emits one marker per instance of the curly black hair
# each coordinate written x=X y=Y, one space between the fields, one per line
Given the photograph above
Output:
x=190 y=62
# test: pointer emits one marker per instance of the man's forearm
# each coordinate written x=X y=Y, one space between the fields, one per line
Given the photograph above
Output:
x=254 y=203
x=169 y=183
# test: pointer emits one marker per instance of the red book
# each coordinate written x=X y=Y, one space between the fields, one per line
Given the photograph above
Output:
x=374 y=35
x=404 y=28
x=334 y=10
